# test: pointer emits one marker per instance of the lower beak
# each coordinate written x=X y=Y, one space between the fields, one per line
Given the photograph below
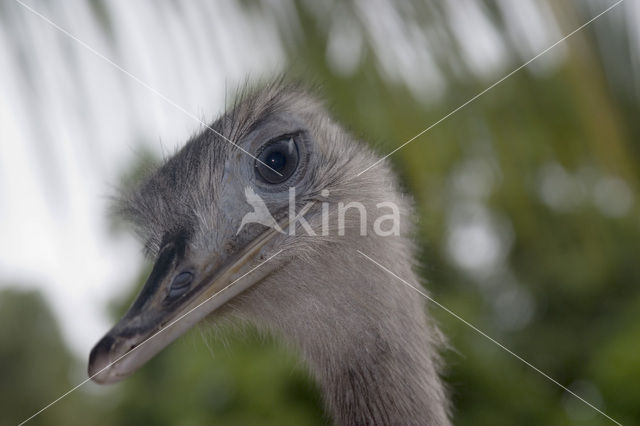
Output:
x=153 y=321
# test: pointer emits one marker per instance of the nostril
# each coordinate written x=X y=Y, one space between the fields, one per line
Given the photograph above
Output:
x=180 y=284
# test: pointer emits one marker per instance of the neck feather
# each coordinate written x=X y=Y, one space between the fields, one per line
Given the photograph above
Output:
x=374 y=352
x=386 y=379
x=364 y=334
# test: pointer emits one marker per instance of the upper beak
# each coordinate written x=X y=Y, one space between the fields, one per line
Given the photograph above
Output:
x=158 y=316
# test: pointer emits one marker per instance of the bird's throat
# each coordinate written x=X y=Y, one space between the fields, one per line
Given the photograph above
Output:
x=384 y=383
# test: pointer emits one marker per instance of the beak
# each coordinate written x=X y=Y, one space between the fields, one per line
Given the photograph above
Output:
x=177 y=295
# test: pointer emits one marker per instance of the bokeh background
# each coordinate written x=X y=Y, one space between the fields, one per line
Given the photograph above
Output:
x=528 y=197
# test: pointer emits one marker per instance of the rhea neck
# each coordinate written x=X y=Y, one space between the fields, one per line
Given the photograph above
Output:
x=383 y=386
x=383 y=372
x=365 y=337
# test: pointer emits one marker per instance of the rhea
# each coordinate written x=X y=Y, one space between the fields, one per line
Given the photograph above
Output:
x=366 y=338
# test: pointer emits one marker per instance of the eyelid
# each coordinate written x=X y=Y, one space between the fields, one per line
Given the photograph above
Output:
x=180 y=283
x=294 y=136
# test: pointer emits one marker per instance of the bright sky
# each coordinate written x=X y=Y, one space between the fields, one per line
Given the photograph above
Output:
x=72 y=124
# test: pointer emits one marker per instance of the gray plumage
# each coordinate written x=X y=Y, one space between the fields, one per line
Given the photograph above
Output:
x=364 y=335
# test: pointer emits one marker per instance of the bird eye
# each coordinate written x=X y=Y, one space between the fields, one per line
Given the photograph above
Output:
x=180 y=284
x=278 y=160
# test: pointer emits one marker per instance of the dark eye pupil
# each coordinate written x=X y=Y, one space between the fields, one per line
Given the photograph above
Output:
x=277 y=161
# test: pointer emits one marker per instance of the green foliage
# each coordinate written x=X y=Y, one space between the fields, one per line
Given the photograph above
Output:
x=35 y=365
x=570 y=264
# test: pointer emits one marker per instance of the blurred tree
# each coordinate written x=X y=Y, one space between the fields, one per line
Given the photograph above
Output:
x=35 y=365
x=527 y=204
x=528 y=214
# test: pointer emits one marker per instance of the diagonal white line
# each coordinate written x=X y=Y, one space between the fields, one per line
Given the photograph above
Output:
x=138 y=80
x=492 y=86
x=177 y=106
x=485 y=335
x=172 y=323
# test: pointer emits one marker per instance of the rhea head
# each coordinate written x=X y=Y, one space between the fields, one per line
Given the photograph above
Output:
x=358 y=329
